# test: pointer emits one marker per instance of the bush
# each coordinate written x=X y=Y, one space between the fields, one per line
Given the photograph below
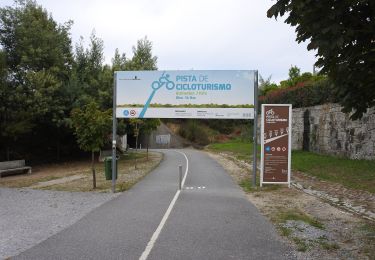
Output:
x=303 y=94
x=195 y=132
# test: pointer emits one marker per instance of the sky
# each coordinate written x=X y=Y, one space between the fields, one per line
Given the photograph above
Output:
x=194 y=34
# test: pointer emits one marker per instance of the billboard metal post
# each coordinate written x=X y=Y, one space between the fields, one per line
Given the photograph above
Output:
x=114 y=133
x=255 y=127
x=200 y=94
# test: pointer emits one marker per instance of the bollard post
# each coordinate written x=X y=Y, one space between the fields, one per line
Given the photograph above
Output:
x=180 y=179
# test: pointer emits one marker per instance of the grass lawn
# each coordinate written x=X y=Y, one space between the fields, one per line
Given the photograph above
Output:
x=243 y=150
x=354 y=174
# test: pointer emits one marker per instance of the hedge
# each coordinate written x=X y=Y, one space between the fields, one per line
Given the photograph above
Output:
x=302 y=95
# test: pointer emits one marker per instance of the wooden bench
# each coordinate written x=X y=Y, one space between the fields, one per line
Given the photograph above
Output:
x=13 y=167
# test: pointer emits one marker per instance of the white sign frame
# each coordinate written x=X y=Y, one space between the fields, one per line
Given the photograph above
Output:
x=253 y=115
x=262 y=144
x=199 y=94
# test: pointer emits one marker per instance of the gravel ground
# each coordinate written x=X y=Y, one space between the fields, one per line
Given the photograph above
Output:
x=344 y=236
x=28 y=217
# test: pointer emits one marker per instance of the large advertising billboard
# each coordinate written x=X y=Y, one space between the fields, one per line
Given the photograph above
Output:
x=202 y=94
x=276 y=143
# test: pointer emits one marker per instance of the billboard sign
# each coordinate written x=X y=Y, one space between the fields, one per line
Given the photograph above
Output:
x=276 y=143
x=227 y=94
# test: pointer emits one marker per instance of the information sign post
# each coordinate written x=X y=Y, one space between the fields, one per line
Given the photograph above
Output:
x=203 y=94
x=276 y=149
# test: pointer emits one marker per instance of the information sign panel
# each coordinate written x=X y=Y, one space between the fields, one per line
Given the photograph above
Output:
x=276 y=143
x=224 y=94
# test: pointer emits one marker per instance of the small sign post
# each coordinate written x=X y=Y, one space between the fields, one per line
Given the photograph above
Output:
x=276 y=147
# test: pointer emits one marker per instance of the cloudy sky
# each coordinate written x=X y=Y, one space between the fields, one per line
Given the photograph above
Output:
x=194 y=34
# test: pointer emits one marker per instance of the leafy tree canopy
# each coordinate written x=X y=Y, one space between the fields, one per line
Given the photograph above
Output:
x=342 y=33
x=37 y=60
x=142 y=56
x=91 y=126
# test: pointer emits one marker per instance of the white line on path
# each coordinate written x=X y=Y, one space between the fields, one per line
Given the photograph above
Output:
x=157 y=232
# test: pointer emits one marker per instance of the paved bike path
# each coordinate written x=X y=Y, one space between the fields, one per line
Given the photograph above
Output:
x=214 y=222
x=120 y=228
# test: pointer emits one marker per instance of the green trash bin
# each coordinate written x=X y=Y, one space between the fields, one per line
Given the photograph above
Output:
x=108 y=168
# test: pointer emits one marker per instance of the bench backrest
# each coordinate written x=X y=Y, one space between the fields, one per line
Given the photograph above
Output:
x=12 y=164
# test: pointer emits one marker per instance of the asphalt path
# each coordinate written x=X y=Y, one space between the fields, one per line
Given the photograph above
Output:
x=210 y=218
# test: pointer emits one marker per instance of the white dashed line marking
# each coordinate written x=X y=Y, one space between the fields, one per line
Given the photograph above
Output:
x=192 y=188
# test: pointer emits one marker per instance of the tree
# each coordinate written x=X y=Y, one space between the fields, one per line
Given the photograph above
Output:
x=91 y=127
x=142 y=56
x=143 y=60
x=294 y=72
x=38 y=58
x=119 y=61
x=136 y=123
x=90 y=74
x=342 y=33
x=266 y=86
x=149 y=125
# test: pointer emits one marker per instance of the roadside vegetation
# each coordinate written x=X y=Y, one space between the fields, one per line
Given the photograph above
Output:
x=353 y=174
x=47 y=82
x=77 y=175
x=315 y=228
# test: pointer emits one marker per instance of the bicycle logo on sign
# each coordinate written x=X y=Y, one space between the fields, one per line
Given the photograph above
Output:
x=270 y=112
x=163 y=80
x=156 y=85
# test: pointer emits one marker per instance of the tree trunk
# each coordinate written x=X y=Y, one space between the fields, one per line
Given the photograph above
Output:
x=58 y=149
x=8 y=153
x=136 y=146
x=93 y=169
x=147 y=149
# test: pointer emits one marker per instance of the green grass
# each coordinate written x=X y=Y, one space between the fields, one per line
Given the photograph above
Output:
x=301 y=244
x=298 y=215
x=328 y=245
x=247 y=186
x=242 y=150
x=354 y=174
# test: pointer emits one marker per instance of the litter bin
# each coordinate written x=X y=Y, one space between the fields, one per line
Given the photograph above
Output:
x=108 y=168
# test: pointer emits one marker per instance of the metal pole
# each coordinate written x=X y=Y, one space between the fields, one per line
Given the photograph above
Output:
x=255 y=128
x=180 y=179
x=114 y=128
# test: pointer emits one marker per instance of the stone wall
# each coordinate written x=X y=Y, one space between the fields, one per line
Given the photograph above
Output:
x=325 y=129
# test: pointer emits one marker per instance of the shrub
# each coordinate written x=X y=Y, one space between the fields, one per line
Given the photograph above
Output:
x=195 y=132
x=302 y=94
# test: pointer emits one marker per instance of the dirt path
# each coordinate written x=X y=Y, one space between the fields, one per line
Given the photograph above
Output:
x=57 y=181
x=77 y=175
x=317 y=227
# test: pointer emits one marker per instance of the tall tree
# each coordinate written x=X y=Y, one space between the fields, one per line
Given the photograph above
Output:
x=88 y=70
x=265 y=85
x=149 y=125
x=143 y=59
x=119 y=61
x=38 y=57
x=342 y=33
x=91 y=127
x=142 y=56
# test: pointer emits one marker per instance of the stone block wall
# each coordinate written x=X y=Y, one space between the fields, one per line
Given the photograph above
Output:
x=325 y=129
